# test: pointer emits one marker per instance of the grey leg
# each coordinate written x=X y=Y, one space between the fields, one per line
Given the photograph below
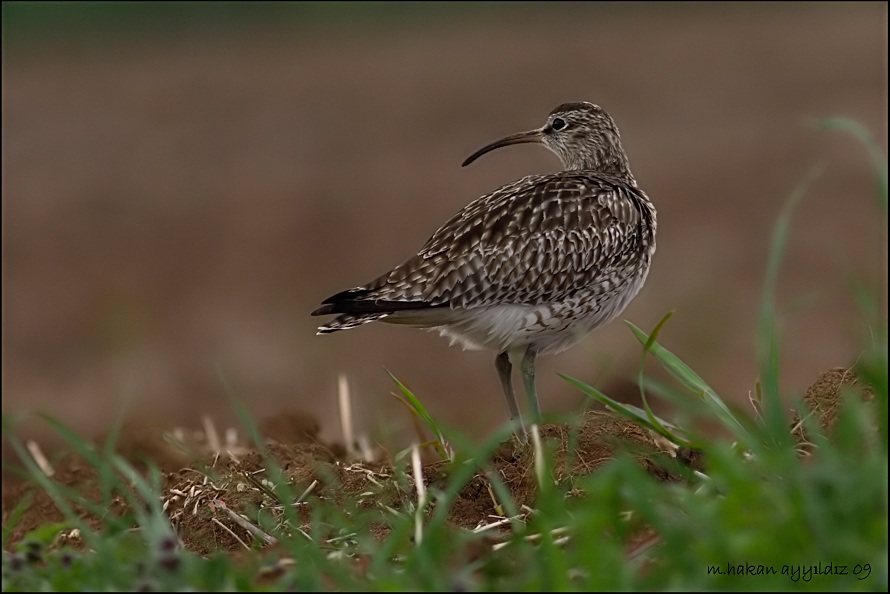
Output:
x=528 y=383
x=502 y=362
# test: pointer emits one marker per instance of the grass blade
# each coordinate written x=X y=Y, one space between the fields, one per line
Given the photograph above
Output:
x=414 y=404
x=693 y=382
x=646 y=348
x=768 y=338
x=631 y=412
x=878 y=159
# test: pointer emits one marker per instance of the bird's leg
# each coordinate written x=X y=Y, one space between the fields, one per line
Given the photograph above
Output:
x=527 y=369
x=502 y=362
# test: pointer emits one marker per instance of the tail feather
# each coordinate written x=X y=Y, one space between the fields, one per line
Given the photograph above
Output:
x=357 y=306
x=348 y=320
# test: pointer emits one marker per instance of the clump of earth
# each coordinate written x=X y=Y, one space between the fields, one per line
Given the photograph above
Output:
x=211 y=488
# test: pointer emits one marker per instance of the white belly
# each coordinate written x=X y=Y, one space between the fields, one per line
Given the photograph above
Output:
x=551 y=327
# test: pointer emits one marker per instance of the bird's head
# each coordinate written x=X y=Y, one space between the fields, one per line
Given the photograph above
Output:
x=581 y=134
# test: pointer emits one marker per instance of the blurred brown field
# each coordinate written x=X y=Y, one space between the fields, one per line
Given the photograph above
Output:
x=178 y=196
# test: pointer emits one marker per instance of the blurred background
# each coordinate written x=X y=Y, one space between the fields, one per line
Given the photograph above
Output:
x=184 y=183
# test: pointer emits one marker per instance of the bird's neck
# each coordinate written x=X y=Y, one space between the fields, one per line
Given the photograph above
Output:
x=612 y=161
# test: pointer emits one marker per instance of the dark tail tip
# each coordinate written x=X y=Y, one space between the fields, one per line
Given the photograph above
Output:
x=323 y=310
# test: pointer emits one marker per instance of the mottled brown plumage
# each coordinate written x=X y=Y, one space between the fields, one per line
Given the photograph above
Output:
x=531 y=267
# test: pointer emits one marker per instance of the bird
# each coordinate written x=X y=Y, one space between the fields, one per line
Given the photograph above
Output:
x=530 y=268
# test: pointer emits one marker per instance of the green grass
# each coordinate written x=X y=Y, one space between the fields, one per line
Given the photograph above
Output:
x=758 y=517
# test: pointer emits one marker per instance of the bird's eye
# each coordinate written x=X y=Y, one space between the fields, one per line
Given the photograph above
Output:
x=558 y=124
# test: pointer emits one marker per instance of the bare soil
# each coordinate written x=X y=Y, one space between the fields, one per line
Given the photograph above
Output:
x=204 y=489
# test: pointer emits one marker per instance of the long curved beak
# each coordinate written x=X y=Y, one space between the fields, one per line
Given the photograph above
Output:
x=530 y=136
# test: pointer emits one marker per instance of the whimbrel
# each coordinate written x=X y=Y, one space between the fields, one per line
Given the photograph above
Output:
x=530 y=268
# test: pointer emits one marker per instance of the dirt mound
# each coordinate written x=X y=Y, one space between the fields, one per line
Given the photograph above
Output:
x=72 y=472
x=577 y=452
x=823 y=399
x=219 y=493
x=215 y=488
x=205 y=505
